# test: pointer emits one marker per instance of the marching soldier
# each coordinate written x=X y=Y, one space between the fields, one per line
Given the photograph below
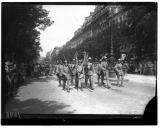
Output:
x=119 y=72
x=73 y=72
x=88 y=71
x=50 y=69
x=99 y=71
x=104 y=72
x=125 y=67
x=79 y=75
x=47 y=69
x=66 y=76
x=59 y=72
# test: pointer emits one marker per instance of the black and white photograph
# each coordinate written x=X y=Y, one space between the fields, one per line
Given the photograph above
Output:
x=94 y=61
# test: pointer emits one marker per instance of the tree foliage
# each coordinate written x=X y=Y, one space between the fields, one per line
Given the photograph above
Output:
x=21 y=31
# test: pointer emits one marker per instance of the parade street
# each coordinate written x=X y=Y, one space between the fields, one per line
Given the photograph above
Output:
x=44 y=96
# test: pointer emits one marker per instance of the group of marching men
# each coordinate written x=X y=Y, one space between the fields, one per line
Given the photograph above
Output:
x=74 y=73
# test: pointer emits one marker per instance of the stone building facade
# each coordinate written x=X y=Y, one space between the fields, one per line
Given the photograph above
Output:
x=110 y=29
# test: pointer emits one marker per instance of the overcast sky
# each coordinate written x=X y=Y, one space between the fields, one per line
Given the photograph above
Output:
x=67 y=19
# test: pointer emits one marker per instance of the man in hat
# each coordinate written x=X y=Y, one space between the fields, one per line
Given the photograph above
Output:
x=119 y=72
x=104 y=72
x=88 y=70
x=66 y=76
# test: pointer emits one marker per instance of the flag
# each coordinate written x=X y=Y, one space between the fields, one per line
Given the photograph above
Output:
x=76 y=57
x=85 y=58
x=123 y=56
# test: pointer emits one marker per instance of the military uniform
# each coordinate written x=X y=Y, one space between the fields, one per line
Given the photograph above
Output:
x=73 y=73
x=88 y=70
x=104 y=72
x=66 y=77
x=98 y=71
x=79 y=75
x=59 y=73
x=125 y=68
x=50 y=69
x=119 y=73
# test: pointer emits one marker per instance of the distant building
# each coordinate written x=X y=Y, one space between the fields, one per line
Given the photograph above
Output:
x=96 y=22
x=104 y=24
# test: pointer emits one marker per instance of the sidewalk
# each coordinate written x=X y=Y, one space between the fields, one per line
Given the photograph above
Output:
x=141 y=78
x=137 y=78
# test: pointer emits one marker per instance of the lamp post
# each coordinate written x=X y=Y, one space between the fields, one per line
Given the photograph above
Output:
x=111 y=59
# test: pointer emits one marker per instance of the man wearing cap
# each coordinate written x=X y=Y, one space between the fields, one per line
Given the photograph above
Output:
x=119 y=72
x=88 y=70
x=66 y=76
x=104 y=72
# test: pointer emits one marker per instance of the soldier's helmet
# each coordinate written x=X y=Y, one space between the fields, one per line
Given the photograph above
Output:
x=89 y=58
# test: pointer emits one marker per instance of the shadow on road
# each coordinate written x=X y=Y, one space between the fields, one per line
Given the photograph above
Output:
x=40 y=79
x=36 y=106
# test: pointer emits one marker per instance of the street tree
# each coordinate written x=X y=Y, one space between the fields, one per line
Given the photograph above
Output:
x=21 y=24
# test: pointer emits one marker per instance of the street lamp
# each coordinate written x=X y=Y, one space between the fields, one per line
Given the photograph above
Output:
x=111 y=59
